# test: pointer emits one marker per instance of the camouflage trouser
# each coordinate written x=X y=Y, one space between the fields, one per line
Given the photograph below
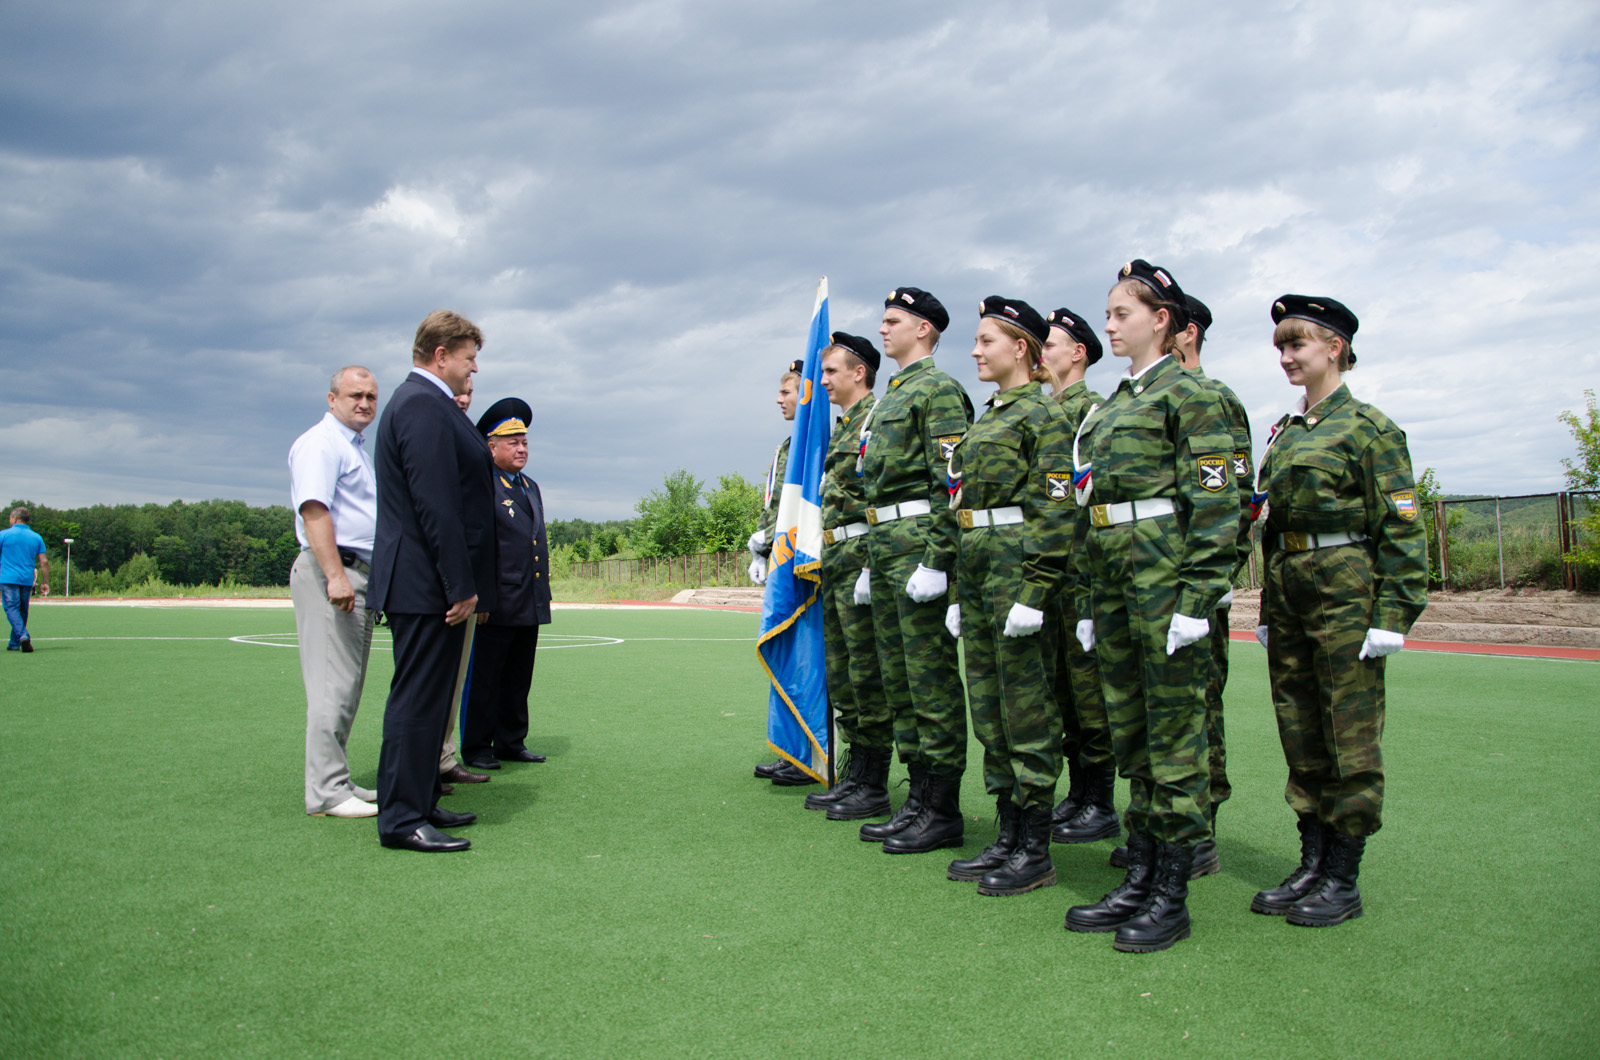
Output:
x=1156 y=702
x=1216 y=738
x=1328 y=701
x=1075 y=682
x=921 y=672
x=855 y=686
x=1014 y=713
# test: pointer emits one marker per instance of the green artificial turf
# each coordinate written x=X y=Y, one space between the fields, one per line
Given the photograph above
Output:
x=162 y=893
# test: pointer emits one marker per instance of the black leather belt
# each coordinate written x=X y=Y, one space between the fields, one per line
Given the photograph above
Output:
x=354 y=562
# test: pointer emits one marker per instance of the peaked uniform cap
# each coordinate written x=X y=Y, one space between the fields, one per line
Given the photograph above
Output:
x=506 y=416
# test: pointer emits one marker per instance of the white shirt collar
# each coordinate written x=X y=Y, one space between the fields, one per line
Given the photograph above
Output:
x=1130 y=374
x=436 y=381
x=352 y=436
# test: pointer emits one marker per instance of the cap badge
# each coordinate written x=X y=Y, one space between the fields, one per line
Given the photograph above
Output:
x=1280 y=307
x=1127 y=270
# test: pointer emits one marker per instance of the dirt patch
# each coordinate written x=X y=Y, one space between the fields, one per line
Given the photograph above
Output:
x=1549 y=618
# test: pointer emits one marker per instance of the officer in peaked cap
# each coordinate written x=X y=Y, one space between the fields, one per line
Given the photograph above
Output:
x=494 y=726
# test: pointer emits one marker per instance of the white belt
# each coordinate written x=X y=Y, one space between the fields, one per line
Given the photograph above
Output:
x=843 y=533
x=1130 y=511
x=889 y=513
x=1295 y=541
x=972 y=519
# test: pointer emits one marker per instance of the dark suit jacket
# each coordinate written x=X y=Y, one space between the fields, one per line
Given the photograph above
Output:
x=524 y=552
x=435 y=540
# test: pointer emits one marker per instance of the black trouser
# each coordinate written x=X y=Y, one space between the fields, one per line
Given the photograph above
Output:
x=497 y=702
x=427 y=654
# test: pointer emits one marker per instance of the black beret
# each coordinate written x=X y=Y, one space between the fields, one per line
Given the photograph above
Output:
x=862 y=348
x=1161 y=282
x=506 y=416
x=915 y=300
x=797 y=367
x=1323 y=311
x=1079 y=329
x=1017 y=312
x=1198 y=313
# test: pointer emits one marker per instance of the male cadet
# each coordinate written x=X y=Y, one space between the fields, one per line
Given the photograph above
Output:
x=855 y=686
x=906 y=444
x=495 y=725
x=433 y=568
x=21 y=550
x=1189 y=342
x=335 y=498
x=1087 y=813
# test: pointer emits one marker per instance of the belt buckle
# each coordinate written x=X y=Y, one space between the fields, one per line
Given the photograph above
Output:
x=1296 y=541
x=1100 y=514
x=964 y=517
x=872 y=517
x=827 y=537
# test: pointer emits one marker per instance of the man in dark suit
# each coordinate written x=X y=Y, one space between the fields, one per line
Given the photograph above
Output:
x=495 y=725
x=433 y=569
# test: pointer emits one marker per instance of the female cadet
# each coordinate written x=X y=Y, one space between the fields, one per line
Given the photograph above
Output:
x=1346 y=576
x=1012 y=488
x=1161 y=513
x=760 y=544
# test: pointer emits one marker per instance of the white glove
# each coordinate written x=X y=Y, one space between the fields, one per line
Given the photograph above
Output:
x=1227 y=599
x=952 y=620
x=1184 y=631
x=758 y=570
x=1261 y=635
x=1085 y=633
x=757 y=539
x=1381 y=642
x=1023 y=621
x=926 y=584
x=864 y=587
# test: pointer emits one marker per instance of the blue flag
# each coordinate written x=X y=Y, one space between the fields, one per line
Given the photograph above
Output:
x=790 y=643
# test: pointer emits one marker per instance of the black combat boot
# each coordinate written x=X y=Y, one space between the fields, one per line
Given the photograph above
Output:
x=1096 y=819
x=765 y=770
x=1029 y=866
x=997 y=853
x=1068 y=807
x=1303 y=880
x=1164 y=919
x=821 y=800
x=789 y=775
x=917 y=774
x=1336 y=897
x=870 y=796
x=938 y=823
x=1124 y=900
x=1206 y=860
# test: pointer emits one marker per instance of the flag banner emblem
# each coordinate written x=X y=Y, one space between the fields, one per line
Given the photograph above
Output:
x=1405 y=504
x=790 y=642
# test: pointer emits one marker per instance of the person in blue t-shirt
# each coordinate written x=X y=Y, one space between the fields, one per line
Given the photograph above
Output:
x=20 y=550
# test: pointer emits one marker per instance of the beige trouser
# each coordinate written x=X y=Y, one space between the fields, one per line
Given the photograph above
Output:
x=334 y=647
x=447 y=753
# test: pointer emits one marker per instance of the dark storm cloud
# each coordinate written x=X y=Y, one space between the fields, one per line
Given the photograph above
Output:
x=208 y=209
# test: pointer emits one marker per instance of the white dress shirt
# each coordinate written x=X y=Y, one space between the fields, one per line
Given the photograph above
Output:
x=329 y=463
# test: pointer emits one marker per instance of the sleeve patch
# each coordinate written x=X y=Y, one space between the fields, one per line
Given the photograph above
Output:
x=1241 y=463
x=1058 y=485
x=1213 y=473
x=947 y=445
x=1405 y=504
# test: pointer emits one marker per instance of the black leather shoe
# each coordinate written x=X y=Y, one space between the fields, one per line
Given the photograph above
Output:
x=792 y=776
x=519 y=754
x=458 y=775
x=442 y=818
x=25 y=645
x=1336 y=897
x=938 y=823
x=877 y=833
x=1302 y=881
x=765 y=770
x=447 y=789
x=427 y=840
x=870 y=796
x=1164 y=918
x=482 y=763
x=1096 y=818
x=997 y=853
x=1029 y=866
x=1123 y=902
x=842 y=786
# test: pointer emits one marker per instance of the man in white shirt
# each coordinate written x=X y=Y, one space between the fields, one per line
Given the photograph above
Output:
x=335 y=498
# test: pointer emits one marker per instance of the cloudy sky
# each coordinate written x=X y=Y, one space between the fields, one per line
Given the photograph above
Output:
x=208 y=207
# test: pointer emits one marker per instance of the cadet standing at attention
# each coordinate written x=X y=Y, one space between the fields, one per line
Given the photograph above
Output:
x=760 y=544
x=1087 y=812
x=1158 y=534
x=1190 y=339
x=1013 y=494
x=905 y=445
x=855 y=686
x=1346 y=577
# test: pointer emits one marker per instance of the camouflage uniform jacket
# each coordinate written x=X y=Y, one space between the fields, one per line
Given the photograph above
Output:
x=1343 y=466
x=913 y=431
x=1239 y=427
x=1165 y=434
x=1020 y=454
x=768 y=522
x=844 y=495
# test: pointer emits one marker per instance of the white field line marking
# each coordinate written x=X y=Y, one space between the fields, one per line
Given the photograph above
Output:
x=278 y=640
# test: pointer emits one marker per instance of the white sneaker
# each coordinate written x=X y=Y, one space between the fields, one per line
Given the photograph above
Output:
x=351 y=807
x=364 y=794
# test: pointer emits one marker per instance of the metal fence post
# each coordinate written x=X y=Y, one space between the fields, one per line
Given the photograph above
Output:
x=1443 y=535
x=1500 y=542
